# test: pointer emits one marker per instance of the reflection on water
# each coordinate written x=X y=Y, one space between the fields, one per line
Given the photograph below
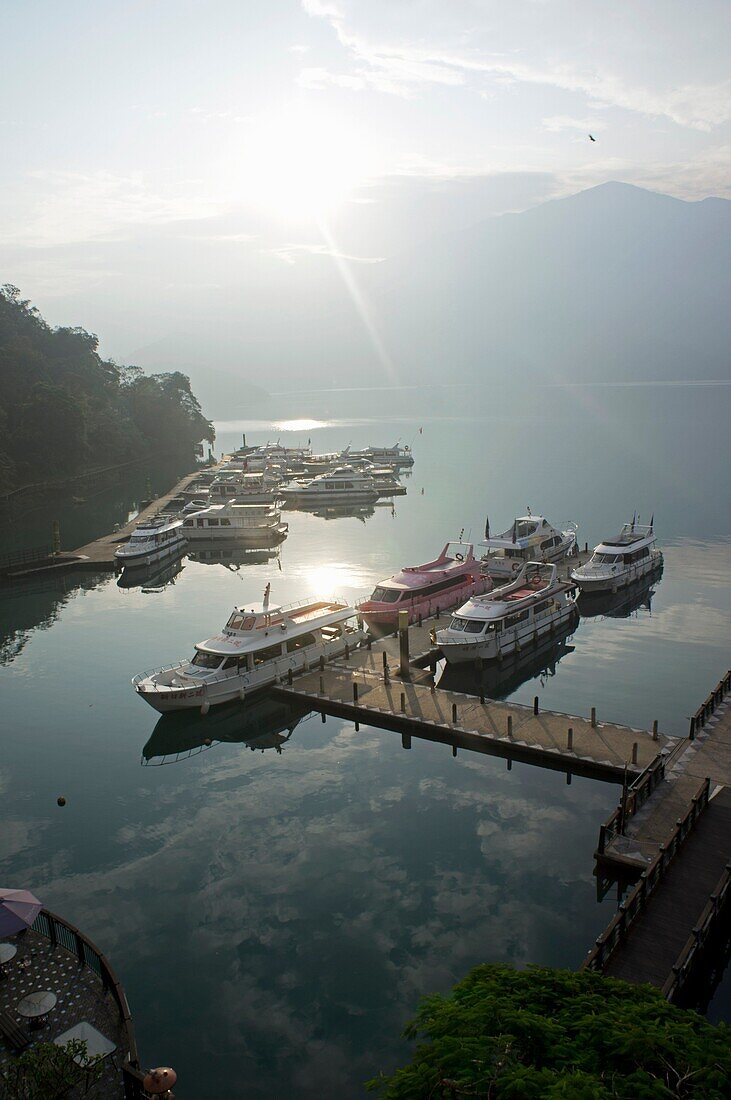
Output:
x=151 y=578
x=275 y=917
x=499 y=679
x=230 y=553
x=260 y=723
x=622 y=604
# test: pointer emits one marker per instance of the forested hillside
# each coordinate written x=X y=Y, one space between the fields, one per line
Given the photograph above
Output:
x=63 y=408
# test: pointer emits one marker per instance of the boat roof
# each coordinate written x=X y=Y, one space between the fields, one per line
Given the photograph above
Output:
x=416 y=576
x=157 y=523
x=272 y=624
x=510 y=597
x=539 y=528
x=233 y=506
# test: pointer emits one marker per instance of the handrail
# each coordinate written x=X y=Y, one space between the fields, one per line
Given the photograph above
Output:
x=707 y=708
x=49 y=924
x=637 y=899
x=696 y=941
x=638 y=792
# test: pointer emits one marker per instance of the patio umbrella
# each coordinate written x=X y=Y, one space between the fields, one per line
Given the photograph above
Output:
x=18 y=910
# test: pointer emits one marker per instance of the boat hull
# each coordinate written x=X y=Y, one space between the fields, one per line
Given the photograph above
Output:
x=253 y=537
x=380 y=615
x=609 y=582
x=505 y=569
x=507 y=642
x=317 y=500
x=204 y=694
x=147 y=558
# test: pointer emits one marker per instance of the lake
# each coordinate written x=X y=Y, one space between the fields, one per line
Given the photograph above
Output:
x=277 y=903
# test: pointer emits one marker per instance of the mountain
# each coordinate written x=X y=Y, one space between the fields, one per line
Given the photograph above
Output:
x=612 y=283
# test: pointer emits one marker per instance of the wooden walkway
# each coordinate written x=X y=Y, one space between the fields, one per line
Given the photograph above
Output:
x=501 y=729
x=99 y=554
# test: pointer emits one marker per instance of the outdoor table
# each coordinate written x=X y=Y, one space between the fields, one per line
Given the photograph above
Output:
x=36 y=1005
x=97 y=1045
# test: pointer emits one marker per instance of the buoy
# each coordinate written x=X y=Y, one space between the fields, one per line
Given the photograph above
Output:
x=61 y=800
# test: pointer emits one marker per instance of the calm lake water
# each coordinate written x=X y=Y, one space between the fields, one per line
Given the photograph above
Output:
x=276 y=908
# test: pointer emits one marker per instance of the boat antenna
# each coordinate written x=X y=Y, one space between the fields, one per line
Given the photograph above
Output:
x=461 y=535
x=267 y=590
x=529 y=511
x=652 y=521
x=487 y=528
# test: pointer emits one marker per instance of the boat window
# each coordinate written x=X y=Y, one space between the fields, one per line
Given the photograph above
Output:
x=299 y=643
x=199 y=523
x=519 y=618
x=474 y=626
x=188 y=523
x=547 y=544
x=606 y=559
x=235 y=622
x=213 y=523
x=225 y=523
x=495 y=626
x=231 y=662
x=268 y=654
x=458 y=624
x=206 y=660
x=386 y=595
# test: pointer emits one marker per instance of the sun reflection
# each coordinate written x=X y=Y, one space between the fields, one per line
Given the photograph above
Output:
x=300 y=425
x=336 y=579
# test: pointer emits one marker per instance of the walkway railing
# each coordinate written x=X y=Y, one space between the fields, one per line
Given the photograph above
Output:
x=66 y=935
x=698 y=938
x=637 y=794
x=706 y=709
x=636 y=901
x=24 y=557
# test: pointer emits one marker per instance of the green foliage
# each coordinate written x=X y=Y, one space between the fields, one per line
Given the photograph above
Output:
x=50 y=1072
x=63 y=408
x=542 y=1034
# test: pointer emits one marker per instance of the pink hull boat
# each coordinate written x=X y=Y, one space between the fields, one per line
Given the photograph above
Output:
x=425 y=590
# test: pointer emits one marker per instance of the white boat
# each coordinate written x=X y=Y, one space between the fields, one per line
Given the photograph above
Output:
x=396 y=456
x=151 y=541
x=343 y=485
x=255 y=488
x=620 y=560
x=251 y=524
x=530 y=538
x=259 y=646
x=536 y=603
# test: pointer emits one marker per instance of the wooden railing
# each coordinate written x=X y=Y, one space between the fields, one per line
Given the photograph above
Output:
x=700 y=935
x=24 y=557
x=706 y=709
x=66 y=935
x=635 y=902
x=637 y=794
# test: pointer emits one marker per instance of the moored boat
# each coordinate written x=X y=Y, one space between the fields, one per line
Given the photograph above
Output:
x=255 y=525
x=530 y=538
x=344 y=485
x=151 y=541
x=427 y=589
x=260 y=645
x=620 y=560
x=508 y=618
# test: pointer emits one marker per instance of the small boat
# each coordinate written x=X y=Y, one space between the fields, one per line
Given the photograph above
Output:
x=397 y=457
x=151 y=541
x=620 y=560
x=530 y=538
x=244 y=488
x=344 y=485
x=620 y=605
x=427 y=589
x=508 y=618
x=259 y=646
x=253 y=525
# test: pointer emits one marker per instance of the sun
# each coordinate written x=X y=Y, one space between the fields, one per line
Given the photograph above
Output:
x=301 y=162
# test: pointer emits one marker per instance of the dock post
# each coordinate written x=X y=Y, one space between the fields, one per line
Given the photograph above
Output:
x=635 y=747
x=654 y=730
x=322 y=685
x=510 y=725
x=385 y=667
x=570 y=740
x=322 y=662
x=454 y=714
x=593 y=718
x=535 y=704
x=454 y=750
x=403 y=638
x=405 y=740
x=369 y=643
x=355 y=694
x=56 y=537
x=478 y=663
x=289 y=676
x=347 y=652
x=691 y=731
x=403 y=702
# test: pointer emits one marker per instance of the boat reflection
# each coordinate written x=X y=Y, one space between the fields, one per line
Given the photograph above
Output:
x=499 y=680
x=231 y=554
x=622 y=604
x=361 y=512
x=151 y=578
x=263 y=723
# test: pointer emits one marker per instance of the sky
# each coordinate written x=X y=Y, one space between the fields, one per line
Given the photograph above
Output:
x=159 y=157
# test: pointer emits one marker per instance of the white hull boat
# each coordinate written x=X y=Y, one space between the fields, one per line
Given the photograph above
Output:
x=151 y=542
x=621 y=560
x=341 y=486
x=259 y=646
x=530 y=538
x=253 y=525
x=507 y=619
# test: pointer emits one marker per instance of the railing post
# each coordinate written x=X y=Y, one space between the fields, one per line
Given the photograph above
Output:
x=79 y=947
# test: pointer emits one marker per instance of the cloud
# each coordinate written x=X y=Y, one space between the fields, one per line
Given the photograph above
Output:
x=289 y=253
x=557 y=123
x=448 y=46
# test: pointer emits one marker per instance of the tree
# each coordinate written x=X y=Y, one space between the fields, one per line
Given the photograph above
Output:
x=542 y=1034
x=50 y=1072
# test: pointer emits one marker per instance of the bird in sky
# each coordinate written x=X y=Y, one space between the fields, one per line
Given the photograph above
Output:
x=591 y=138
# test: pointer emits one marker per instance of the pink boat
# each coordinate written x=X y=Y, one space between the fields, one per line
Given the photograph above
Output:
x=427 y=589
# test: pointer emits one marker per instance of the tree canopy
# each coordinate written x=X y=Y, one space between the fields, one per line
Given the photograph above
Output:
x=542 y=1034
x=63 y=408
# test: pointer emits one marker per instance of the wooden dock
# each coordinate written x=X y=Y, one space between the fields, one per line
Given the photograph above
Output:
x=377 y=687
x=99 y=554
